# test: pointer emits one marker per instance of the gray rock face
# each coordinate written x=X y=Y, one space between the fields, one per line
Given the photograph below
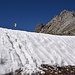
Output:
x=63 y=24
x=38 y=27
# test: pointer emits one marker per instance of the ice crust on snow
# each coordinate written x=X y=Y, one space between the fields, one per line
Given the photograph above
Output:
x=28 y=50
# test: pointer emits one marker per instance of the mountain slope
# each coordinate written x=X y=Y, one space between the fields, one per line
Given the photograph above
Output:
x=27 y=50
x=63 y=24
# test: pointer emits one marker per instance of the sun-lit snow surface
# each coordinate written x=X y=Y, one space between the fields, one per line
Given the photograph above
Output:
x=29 y=50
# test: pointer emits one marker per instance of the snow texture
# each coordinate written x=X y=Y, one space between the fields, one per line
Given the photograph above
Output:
x=28 y=50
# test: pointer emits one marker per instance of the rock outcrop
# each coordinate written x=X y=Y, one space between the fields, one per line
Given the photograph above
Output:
x=38 y=27
x=63 y=24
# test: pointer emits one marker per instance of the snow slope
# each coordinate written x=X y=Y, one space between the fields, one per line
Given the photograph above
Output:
x=27 y=50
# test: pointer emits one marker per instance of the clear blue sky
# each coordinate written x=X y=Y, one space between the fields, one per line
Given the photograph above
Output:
x=28 y=13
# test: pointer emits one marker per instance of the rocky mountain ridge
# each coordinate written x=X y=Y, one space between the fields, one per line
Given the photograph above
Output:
x=63 y=24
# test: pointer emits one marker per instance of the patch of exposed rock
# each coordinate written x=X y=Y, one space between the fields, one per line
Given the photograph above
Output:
x=48 y=70
x=63 y=24
x=38 y=27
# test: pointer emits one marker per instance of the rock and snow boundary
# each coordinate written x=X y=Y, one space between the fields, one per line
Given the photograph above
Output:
x=28 y=50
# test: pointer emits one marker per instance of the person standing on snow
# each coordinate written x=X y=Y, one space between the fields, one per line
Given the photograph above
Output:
x=15 y=24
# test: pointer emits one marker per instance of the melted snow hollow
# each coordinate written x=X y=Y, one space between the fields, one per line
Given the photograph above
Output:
x=28 y=50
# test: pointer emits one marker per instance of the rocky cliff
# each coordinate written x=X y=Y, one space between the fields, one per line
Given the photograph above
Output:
x=63 y=24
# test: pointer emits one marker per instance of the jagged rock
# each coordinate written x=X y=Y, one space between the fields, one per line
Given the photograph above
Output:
x=63 y=24
x=38 y=27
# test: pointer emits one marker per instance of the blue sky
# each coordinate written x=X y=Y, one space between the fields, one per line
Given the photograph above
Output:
x=28 y=13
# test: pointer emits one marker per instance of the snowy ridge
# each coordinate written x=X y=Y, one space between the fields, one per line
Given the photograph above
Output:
x=21 y=49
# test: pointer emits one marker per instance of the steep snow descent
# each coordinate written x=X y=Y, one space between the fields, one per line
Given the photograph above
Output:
x=27 y=50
